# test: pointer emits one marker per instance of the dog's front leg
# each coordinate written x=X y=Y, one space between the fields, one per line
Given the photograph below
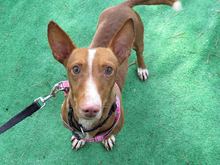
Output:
x=109 y=142
x=77 y=143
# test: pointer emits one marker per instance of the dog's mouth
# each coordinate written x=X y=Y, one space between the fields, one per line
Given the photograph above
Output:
x=88 y=117
x=86 y=122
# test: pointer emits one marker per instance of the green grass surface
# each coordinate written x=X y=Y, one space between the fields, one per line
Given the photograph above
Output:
x=172 y=118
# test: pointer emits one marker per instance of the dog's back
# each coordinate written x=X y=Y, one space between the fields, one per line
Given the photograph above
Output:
x=112 y=19
x=92 y=72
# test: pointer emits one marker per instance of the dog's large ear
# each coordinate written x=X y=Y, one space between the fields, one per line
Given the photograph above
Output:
x=60 y=43
x=122 y=41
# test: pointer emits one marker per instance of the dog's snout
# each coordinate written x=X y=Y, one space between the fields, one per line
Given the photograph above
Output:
x=90 y=110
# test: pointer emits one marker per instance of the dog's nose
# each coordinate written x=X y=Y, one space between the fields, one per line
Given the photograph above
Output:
x=90 y=110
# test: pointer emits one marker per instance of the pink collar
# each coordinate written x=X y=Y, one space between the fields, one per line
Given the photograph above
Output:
x=99 y=137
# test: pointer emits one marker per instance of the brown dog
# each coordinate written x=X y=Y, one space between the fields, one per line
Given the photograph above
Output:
x=93 y=108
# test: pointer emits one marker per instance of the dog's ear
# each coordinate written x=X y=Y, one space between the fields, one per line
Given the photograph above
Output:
x=122 y=41
x=60 y=43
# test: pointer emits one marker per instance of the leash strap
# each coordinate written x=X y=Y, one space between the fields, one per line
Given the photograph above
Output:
x=61 y=86
x=20 y=116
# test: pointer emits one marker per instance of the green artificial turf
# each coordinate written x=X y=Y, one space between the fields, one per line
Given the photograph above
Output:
x=172 y=118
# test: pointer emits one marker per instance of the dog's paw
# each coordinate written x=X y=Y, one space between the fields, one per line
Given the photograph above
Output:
x=109 y=142
x=143 y=74
x=77 y=143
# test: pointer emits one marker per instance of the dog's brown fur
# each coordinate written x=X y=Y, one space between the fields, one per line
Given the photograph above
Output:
x=119 y=29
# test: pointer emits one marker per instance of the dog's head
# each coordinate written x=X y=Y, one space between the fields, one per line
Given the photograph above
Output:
x=91 y=72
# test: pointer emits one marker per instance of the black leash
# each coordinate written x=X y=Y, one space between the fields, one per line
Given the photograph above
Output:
x=35 y=106
x=20 y=116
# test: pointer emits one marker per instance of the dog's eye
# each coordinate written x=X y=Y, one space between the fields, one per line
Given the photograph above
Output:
x=108 y=70
x=76 y=70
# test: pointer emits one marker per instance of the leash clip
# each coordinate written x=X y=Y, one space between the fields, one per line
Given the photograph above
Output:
x=42 y=100
x=57 y=88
